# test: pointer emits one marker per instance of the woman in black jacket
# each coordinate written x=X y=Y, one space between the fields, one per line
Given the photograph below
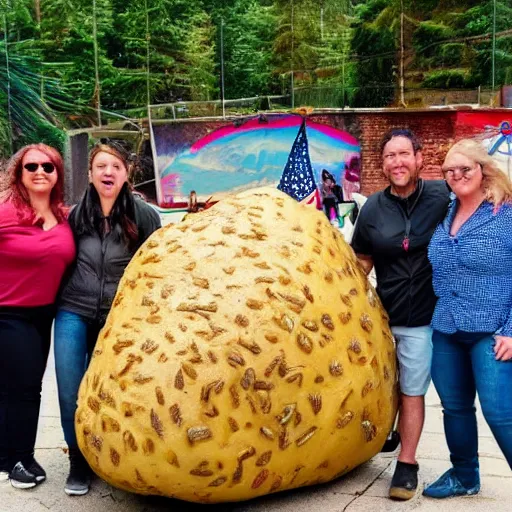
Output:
x=109 y=225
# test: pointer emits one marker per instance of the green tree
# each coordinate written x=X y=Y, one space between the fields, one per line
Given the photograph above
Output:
x=180 y=42
x=25 y=116
x=311 y=41
x=249 y=31
x=375 y=45
x=197 y=62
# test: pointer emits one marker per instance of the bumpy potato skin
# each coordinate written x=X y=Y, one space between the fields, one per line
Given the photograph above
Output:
x=245 y=353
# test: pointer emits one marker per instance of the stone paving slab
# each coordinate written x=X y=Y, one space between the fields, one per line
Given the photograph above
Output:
x=364 y=489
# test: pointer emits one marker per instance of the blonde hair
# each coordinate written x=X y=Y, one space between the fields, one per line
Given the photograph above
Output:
x=495 y=183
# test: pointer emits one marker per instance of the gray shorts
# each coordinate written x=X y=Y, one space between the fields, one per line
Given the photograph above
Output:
x=414 y=352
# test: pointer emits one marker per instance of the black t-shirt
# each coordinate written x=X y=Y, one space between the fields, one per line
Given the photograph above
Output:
x=404 y=274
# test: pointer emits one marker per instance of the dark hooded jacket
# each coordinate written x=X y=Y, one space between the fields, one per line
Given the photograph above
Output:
x=91 y=285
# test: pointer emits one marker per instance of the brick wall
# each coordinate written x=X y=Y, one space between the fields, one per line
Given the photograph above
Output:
x=435 y=129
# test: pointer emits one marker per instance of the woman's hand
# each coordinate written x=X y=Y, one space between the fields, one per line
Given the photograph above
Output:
x=503 y=348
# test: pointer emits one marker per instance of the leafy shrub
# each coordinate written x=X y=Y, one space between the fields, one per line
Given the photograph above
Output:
x=445 y=79
x=451 y=54
x=427 y=34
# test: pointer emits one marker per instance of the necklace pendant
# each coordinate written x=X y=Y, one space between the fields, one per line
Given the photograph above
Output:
x=405 y=243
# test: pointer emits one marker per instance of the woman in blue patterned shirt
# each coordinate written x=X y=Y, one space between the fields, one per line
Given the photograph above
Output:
x=471 y=256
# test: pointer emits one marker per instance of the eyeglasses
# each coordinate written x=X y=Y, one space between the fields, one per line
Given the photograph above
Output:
x=463 y=171
x=48 y=167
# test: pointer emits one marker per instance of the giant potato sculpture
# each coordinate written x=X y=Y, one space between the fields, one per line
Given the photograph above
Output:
x=245 y=353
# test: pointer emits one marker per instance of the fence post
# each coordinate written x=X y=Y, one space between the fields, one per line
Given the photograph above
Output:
x=96 y=65
x=343 y=80
x=493 y=51
x=9 y=107
x=292 y=57
x=222 y=68
x=76 y=167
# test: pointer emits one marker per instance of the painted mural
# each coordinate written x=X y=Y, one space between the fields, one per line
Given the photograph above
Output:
x=494 y=130
x=500 y=147
x=219 y=158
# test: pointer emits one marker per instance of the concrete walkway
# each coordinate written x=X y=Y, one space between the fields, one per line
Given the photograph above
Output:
x=364 y=489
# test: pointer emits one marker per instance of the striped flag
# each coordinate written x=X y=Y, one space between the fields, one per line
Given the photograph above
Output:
x=298 y=179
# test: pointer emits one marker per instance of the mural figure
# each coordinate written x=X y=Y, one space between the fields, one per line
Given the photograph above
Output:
x=330 y=195
x=500 y=147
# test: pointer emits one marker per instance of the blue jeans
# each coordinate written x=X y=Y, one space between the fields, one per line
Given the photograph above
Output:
x=462 y=365
x=74 y=342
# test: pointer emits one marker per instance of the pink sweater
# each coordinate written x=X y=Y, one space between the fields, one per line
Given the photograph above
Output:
x=32 y=261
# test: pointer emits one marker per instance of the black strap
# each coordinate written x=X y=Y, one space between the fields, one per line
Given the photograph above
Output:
x=407 y=217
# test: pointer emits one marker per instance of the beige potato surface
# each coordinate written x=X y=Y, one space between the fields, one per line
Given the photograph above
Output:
x=245 y=353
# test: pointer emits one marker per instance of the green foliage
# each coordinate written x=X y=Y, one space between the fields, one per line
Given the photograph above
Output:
x=198 y=58
x=479 y=19
x=427 y=34
x=249 y=32
x=181 y=49
x=334 y=52
x=452 y=54
x=367 y=12
x=5 y=129
x=435 y=36
x=315 y=46
x=482 y=72
x=375 y=46
x=445 y=79
x=24 y=116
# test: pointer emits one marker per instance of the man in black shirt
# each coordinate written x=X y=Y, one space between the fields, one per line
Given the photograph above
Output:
x=392 y=233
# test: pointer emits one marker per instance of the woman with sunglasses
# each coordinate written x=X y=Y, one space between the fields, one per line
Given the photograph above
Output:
x=471 y=256
x=109 y=225
x=36 y=247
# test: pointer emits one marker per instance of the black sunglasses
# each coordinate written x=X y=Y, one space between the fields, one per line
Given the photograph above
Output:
x=48 y=167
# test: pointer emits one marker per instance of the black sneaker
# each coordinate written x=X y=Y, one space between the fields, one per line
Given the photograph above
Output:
x=404 y=482
x=36 y=469
x=21 y=478
x=79 y=478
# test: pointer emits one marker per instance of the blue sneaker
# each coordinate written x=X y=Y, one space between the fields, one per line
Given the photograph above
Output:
x=448 y=485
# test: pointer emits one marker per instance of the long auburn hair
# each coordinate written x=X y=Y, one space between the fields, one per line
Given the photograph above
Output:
x=13 y=189
x=495 y=183
x=88 y=216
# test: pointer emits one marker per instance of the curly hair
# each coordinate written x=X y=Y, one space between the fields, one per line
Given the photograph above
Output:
x=12 y=188
x=495 y=183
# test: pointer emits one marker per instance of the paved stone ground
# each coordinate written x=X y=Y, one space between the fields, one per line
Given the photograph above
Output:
x=364 y=489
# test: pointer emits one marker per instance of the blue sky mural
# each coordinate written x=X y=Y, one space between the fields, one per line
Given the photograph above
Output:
x=218 y=159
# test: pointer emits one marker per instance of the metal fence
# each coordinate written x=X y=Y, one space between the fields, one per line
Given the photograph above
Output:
x=317 y=97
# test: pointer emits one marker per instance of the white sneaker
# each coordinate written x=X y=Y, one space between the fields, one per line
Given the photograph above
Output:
x=4 y=476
